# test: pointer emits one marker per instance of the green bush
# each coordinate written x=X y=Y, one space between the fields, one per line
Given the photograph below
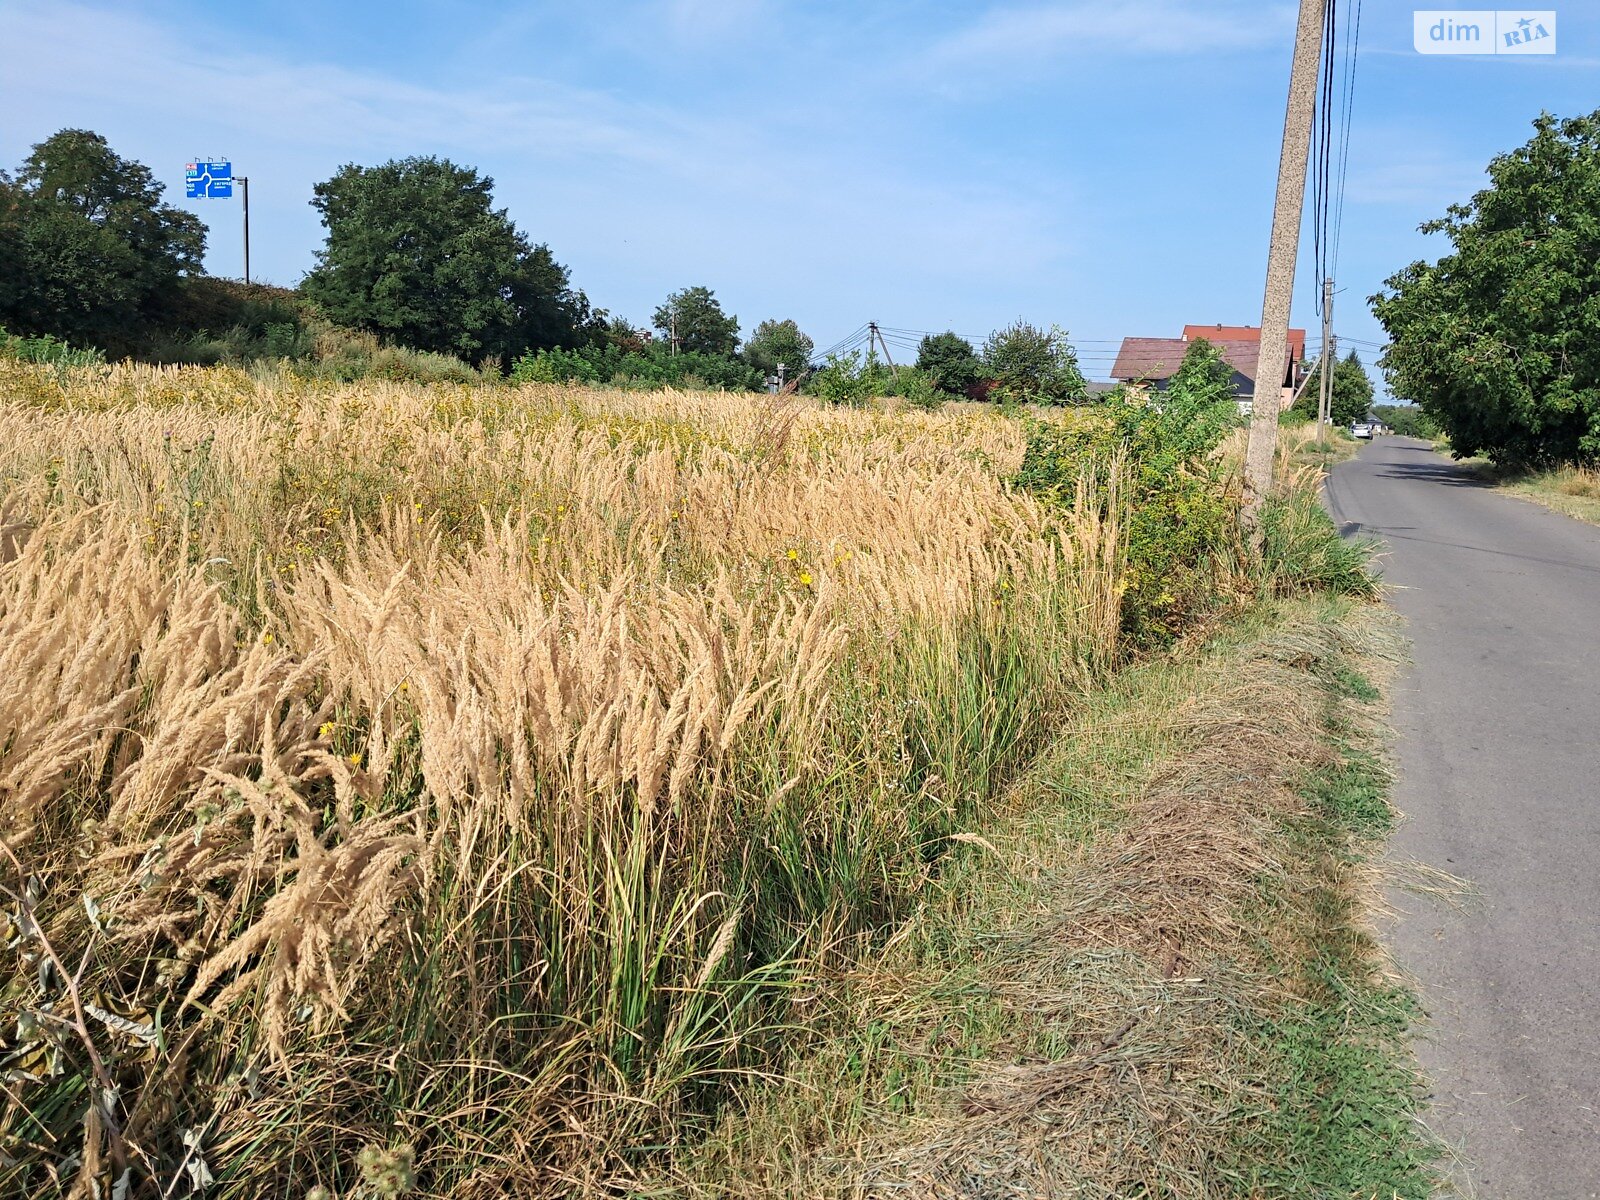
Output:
x=643 y=366
x=47 y=350
x=1030 y=365
x=348 y=355
x=849 y=379
x=554 y=366
x=918 y=389
x=950 y=361
x=1151 y=459
x=420 y=366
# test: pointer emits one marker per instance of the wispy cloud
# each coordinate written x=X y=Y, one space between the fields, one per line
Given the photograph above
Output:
x=637 y=195
x=1418 y=168
x=91 y=57
x=1415 y=181
x=1024 y=36
x=703 y=19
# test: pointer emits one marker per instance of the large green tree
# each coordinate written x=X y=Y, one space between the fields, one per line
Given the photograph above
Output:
x=1499 y=341
x=1033 y=365
x=776 y=342
x=88 y=251
x=950 y=361
x=1352 y=392
x=695 y=317
x=417 y=253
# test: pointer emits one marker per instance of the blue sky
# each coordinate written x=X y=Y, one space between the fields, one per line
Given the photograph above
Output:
x=924 y=163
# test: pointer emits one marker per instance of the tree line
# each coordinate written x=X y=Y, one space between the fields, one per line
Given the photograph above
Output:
x=418 y=261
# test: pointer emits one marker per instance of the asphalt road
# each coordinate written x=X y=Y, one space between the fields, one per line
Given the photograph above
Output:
x=1499 y=782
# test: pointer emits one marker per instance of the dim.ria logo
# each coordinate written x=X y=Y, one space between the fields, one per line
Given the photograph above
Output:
x=1484 y=31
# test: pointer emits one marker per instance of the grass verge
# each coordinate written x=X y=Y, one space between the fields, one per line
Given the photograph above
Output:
x=1573 y=491
x=1570 y=490
x=1148 y=974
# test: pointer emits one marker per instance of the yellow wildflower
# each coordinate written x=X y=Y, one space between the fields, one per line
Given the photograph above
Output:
x=327 y=730
x=266 y=639
x=793 y=554
x=355 y=760
x=805 y=578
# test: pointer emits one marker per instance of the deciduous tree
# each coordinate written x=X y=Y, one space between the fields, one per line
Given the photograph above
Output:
x=1352 y=392
x=1499 y=341
x=1033 y=365
x=700 y=324
x=90 y=252
x=417 y=253
x=950 y=361
x=776 y=342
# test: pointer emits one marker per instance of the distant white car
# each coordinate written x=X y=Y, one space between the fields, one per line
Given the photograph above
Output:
x=1361 y=430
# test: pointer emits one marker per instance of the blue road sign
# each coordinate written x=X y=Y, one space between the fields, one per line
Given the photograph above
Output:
x=209 y=180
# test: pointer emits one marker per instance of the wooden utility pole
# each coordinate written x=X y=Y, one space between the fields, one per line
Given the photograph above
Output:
x=1329 y=359
x=1281 y=256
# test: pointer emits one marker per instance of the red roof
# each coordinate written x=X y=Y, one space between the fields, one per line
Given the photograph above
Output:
x=1244 y=333
x=1148 y=358
x=1160 y=358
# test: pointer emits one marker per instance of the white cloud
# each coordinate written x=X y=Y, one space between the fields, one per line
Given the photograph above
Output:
x=636 y=197
x=1020 y=36
x=1419 y=180
x=1417 y=166
x=702 y=19
x=88 y=57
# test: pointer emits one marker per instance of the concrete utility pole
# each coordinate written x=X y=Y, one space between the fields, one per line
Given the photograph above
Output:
x=875 y=332
x=1281 y=256
x=1330 y=357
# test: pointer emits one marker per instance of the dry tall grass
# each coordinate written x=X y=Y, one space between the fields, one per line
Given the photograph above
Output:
x=450 y=789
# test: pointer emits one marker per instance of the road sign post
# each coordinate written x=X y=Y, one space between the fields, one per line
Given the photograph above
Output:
x=244 y=186
x=213 y=179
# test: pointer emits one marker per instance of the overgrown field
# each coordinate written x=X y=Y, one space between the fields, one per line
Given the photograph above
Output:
x=464 y=790
x=451 y=787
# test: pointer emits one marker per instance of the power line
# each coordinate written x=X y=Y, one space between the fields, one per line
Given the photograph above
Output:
x=1322 y=148
x=1330 y=154
x=1351 y=51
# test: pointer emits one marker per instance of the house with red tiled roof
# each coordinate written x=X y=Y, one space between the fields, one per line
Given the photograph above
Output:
x=1153 y=361
x=1245 y=333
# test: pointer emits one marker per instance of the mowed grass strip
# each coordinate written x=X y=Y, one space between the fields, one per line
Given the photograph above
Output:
x=1148 y=974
